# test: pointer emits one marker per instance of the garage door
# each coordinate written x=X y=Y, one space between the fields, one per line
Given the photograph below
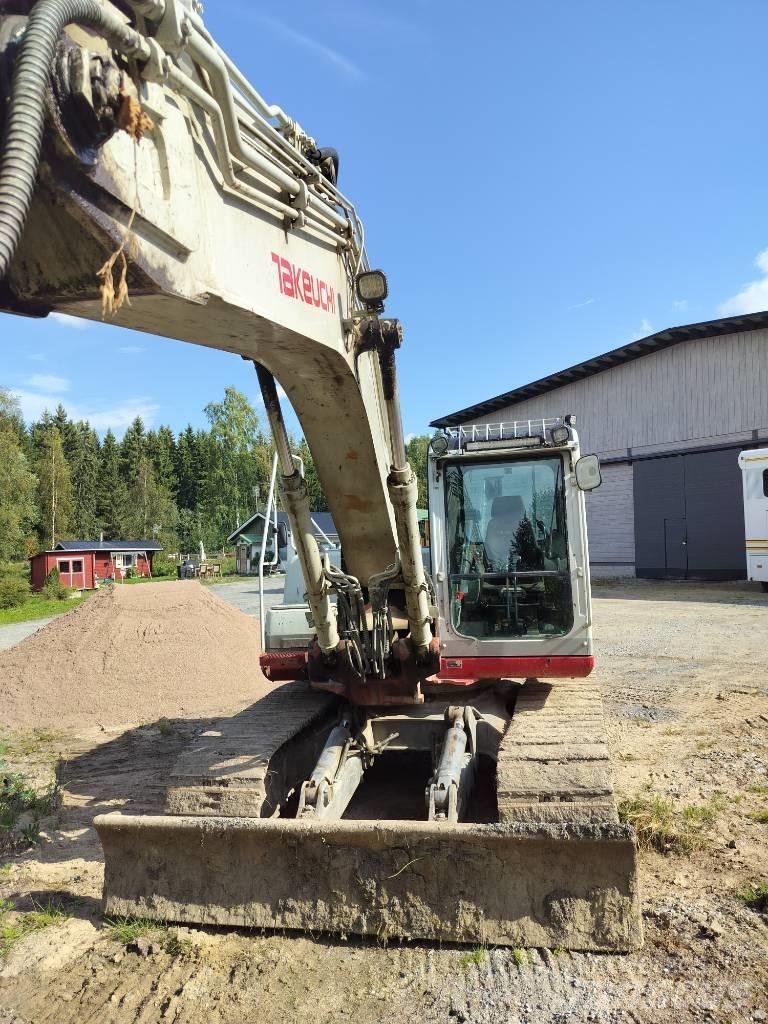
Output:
x=689 y=516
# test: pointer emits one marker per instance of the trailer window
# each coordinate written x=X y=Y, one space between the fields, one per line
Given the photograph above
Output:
x=508 y=548
x=765 y=483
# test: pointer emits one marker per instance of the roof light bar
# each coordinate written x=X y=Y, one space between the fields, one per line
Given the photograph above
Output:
x=533 y=441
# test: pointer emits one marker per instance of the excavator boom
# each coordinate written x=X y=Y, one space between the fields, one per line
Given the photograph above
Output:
x=145 y=180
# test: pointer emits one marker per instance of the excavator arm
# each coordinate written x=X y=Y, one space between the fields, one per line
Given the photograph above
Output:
x=144 y=180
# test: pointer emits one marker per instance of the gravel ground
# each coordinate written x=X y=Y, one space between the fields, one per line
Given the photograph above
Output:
x=682 y=669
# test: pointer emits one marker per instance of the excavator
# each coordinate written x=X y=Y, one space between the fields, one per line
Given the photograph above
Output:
x=432 y=764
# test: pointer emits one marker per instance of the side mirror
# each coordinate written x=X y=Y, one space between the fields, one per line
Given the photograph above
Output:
x=282 y=535
x=588 y=475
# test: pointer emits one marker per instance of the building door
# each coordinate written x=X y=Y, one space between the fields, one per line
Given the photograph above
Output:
x=689 y=516
x=71 y=573
x=675 y=547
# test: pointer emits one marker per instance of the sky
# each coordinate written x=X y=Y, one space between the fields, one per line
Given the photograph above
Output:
x=541 y=182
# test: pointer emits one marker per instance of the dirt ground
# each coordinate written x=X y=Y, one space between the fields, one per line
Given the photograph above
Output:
x=683 y=671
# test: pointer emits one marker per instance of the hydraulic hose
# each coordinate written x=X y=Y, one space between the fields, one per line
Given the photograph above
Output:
x=25 y=121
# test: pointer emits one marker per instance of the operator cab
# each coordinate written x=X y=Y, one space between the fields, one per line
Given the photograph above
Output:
x=509 y=544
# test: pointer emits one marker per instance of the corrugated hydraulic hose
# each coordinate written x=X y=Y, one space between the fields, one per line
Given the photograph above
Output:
x=23 y=136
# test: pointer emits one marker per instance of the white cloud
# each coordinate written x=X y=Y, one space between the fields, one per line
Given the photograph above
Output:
x=409 y=438
x=753 y=297
x=76 y=323
x=680 y=304
x=579 y=305
x=115 y=417
x=329 y=55
x=131 y=350
x=646 y=328
x=36 y=357
x=47 y=382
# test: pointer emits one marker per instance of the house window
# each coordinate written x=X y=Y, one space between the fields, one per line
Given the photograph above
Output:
x=63 y=567
x=125 y=561
x=77 y=565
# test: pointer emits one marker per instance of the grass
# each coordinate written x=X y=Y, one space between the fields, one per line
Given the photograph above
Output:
x=662 y=827
x=32 y=742
x=474 y=957
x=127 y=929
x=521 y=956
x=11 y=932
x=165 y=728
x=17 y=797
x=39 y=607
x=754 y=895
x=760 y=816
x=760 y=790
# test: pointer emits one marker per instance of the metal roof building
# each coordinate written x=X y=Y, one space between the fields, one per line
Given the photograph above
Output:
x=668 y=415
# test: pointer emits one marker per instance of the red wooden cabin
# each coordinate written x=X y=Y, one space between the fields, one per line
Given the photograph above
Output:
x=82 y=562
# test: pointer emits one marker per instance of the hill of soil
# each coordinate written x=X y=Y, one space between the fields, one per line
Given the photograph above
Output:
x=131 y=654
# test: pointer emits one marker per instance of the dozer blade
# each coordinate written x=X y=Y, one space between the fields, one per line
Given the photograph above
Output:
x=521 y=884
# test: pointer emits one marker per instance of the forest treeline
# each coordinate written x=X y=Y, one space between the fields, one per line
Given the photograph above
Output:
x=60 y=480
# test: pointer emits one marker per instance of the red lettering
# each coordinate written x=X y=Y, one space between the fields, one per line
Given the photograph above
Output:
x=306 y=280
x=276 y=261
x=297 y=282
x=285 y=269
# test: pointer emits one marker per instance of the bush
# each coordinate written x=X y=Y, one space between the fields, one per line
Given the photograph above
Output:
x=13 y=592
x=164 y=567
x=53 y=588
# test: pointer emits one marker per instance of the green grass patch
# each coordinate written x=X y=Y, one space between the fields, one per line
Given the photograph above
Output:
x=13 y=930
x=473 y=958
x=521 y=956
x=661 y=826
x=754 y=895
x=127 y=929
x=25 y=744
x=759 y=790
x=18 y=797
x=760 y=816
x=39 y=607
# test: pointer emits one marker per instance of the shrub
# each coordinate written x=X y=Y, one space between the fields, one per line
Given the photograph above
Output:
x=13 y=592
x=164 y=567
x=53 y=588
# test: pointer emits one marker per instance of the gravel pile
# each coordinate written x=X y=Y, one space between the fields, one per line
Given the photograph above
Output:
x=131 y=654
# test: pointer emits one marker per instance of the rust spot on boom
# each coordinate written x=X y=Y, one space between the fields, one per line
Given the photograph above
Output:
x=352 y=455
x=357 y=504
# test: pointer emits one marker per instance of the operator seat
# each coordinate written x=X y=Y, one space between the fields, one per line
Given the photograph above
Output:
x=507 y=512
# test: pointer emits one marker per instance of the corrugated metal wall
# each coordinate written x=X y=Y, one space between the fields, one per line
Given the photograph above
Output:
x=611 y=523
x=695 y=390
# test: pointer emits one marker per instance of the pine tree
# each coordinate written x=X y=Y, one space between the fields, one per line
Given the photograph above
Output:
x=85 y=466
x=54 y=489
x=152 y=511
x=317 y=500
x=112 y=497
x=133 y=446
x=187 y=469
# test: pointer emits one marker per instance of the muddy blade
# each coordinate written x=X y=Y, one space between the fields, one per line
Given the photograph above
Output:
x=521 y=885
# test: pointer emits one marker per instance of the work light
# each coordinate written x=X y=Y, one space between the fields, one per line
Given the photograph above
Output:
x=439 y=444
x=560 y=434
x=372 y=289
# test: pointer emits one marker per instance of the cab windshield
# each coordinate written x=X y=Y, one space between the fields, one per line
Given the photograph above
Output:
x=508 y=548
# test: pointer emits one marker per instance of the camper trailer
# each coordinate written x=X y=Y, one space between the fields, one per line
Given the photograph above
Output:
x=754 y=477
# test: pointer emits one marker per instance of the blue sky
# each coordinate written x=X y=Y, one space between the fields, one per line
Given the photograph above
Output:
x=540 y=181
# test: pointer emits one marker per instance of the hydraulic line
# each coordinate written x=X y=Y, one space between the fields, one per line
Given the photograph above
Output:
x=23 y=135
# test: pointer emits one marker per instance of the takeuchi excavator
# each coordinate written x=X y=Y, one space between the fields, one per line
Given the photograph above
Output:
x=433 y=764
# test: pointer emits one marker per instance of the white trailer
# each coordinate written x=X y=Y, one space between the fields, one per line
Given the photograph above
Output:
x=754 y=478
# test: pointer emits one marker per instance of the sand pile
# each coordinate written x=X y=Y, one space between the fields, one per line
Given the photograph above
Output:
x=133 y=654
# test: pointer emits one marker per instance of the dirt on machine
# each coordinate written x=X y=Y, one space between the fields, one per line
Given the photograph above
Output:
x=435 y=766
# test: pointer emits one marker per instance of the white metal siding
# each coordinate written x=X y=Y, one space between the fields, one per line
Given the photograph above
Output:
x=611 y=523
x=702 y=391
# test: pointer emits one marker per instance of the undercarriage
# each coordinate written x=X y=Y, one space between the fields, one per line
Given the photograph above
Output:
x=487 y=821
